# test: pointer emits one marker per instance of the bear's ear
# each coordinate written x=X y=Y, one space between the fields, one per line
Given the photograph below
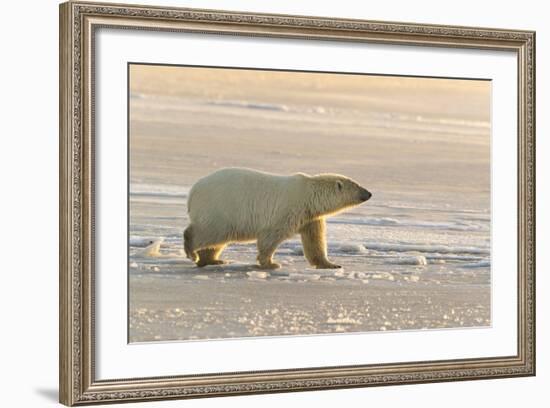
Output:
x=340 y=185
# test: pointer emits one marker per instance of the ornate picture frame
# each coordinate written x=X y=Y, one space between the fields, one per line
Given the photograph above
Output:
x=79 y=22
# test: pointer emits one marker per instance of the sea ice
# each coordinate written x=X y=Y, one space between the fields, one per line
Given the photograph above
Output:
x=304 y=276
x=382 y=276
x=279 y=272
x=297 y=250
x=258 y=274
x=426 y=248
x=141 y=242
x=152 y=250
x=419 y=260
x=355 y=249
x=480 y=264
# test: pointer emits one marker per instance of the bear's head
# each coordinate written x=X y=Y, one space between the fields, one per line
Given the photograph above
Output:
x=333 y=193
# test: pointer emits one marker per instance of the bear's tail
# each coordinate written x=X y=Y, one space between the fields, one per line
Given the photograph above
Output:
x=188 y=244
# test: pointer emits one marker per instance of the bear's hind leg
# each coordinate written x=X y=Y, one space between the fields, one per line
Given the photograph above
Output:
x=315 y=244
x=267 y=244
x=209 y=256
x=188 y=245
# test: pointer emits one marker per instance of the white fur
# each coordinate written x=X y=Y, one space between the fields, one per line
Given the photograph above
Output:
x=239 y=205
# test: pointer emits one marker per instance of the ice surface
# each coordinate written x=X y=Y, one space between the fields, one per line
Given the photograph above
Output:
x=428 y=271
x=257 y=274
x=419 y=260
x=417 y=255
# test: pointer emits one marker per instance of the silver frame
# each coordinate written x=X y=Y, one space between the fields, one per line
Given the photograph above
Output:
x=78 y=23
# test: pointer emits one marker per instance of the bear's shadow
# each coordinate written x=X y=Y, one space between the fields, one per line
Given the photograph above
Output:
x=230 y=267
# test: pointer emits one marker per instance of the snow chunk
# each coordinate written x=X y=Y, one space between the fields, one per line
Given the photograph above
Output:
x=257 y=274
x=354 y=249
x=152 y=250
x=382 y=276
x=418 y=260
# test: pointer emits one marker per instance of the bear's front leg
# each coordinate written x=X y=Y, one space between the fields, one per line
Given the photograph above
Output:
x=315 y=244
x=267 y=244
x=209 y=256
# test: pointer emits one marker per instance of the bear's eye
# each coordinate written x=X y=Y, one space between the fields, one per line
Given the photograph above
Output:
x=340 y=185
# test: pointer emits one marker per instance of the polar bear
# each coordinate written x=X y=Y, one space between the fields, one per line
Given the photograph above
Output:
x=245 y=205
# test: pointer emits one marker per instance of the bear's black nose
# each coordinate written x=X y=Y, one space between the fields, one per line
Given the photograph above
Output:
x=365 y=195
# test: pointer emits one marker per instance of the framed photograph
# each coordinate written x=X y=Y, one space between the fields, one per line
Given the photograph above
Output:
x=256 y=203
